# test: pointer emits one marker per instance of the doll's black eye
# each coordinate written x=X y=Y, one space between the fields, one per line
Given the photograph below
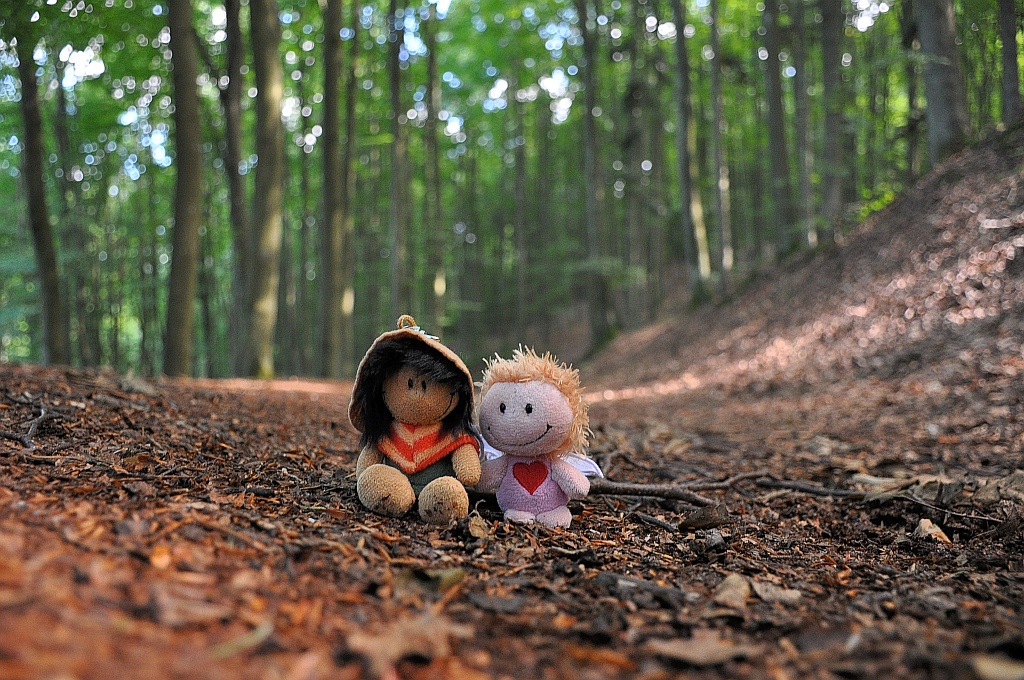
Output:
x=410 y=383
x=423 y=384
x=501 y=407
x=529 y=409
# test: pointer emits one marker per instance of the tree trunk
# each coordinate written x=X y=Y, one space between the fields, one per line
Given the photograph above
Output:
x=596 y=288
x=241 y=229
x=634 y=152
x=723 y=244
x=804 y=147
x=77 y=285
x=433 y=225
x=681 y=99
x=188 y=139
x=912 y=131
x=519 y=212
x=287 y=334
x=397 y=212
x=1013 y=106
x=333 y=225
x=832 y=20
x=56 y=345
x=348 y=185
x=267 y=223
x=946 y=110
x=781 y=183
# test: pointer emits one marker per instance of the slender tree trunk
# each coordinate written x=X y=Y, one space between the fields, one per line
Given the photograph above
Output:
x=241 y=229
x=333 y=225
x=596 y=289
x=723 y=244
x=520 y=227
x=681 y=99
x=912 y=131
x=76 y=279
x=545 y=233
x=348 y=185
x=433 y=215
x=700 y=226
x=835 y=102
x=654 y=178
x=804 y=147
x=781 y=183
x=56 y=345
x=188 y=139
x=946 y=110
x=634 y=152
x=205 y=283
x=310 y=328
x=287 y=335
x=398 y=211
x=267 y=225
x=1013 y=106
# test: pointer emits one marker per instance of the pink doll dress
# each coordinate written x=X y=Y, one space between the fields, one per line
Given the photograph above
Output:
x=528 y=487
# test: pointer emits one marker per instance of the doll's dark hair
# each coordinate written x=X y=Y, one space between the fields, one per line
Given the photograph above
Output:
x=388 y=357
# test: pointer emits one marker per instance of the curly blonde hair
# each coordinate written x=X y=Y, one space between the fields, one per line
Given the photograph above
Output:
x=528 y=366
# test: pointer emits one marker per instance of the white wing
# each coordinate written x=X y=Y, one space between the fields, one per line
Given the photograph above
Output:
x=588 y=466
x=488 y=452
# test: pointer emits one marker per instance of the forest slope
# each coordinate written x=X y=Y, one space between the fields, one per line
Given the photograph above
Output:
x=927 y=294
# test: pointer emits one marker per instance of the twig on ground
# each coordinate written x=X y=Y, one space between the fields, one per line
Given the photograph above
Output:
x=654 y=521
x=26 y=439
x=667 y=491
x=807 y=487
x=962 y=515
x=726 y=483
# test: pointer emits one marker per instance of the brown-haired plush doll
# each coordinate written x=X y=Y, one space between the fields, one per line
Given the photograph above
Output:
x=413 y=403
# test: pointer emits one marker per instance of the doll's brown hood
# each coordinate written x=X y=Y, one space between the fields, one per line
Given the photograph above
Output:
x=407 y=328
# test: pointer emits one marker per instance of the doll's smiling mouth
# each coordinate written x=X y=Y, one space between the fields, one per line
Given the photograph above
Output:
x=534 y=441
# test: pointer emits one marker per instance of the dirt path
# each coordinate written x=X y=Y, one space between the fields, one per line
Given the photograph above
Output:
x=211 y=530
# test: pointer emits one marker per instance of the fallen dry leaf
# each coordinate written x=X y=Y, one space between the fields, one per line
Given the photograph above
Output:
x=928 y=529
x=706 y=518
x=769 y=592
x=426 y=636
x=704 y=648
x=997 y=667
x=733 y=592
x=478 y=528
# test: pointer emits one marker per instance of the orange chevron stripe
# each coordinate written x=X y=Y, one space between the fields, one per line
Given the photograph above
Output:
x=414 y=448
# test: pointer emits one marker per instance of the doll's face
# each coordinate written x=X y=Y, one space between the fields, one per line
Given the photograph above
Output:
x=415 y=399
x=525 y=419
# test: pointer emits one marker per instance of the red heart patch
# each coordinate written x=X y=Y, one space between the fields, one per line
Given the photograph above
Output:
x=530 y=475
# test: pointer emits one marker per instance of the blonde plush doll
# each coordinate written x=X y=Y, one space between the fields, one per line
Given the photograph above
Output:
x=532 y=414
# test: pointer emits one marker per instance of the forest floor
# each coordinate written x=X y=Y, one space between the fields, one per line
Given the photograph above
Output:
x=848 y=434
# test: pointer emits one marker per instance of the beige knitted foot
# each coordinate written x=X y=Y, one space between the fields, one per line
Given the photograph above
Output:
x=443 y=500
x=385 y=490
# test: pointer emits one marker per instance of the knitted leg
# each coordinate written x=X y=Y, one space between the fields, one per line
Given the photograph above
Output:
x=520 y=516
x=385 y=490
x=559 y=517
x=443 y=500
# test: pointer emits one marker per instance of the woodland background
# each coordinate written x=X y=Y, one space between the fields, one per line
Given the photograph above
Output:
x=260 y=188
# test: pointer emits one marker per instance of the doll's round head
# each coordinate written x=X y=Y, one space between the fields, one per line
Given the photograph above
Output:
x=417 y=397
x=531 y=405
x=404 y=378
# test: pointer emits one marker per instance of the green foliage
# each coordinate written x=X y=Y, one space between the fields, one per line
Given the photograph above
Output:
x=511 y=117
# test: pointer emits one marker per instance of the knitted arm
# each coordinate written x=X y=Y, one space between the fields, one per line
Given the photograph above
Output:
x=466 y=462
x=370 y=455
x=492 y=472
x=573 y=482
